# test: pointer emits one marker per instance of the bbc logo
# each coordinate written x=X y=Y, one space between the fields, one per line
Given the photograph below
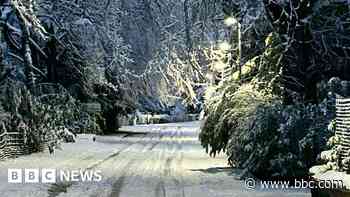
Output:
x=31 y=176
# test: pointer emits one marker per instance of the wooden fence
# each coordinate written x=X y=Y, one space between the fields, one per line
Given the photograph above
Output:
x=343 y=125
x=12 y=144
x=2 y=143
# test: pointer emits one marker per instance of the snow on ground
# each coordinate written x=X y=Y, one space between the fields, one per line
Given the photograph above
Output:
x=164 y=160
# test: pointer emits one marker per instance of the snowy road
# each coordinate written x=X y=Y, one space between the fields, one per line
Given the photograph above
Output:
x=158 y=161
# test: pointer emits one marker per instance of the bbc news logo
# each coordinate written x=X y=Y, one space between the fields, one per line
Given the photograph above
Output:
x=52 y=176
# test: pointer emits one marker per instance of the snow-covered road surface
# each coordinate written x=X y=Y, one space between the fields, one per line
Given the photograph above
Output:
x=153 y=161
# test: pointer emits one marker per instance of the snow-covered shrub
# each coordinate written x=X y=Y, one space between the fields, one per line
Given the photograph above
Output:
x=262 y=135
x=39 y=118
x=226 y=108
x=49 y=120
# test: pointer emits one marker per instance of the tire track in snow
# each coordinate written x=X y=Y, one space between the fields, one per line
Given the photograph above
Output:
x=120 y=182
x=56 y=189
x=169 y=155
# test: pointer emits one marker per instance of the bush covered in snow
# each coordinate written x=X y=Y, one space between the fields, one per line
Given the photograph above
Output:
x=263 y=136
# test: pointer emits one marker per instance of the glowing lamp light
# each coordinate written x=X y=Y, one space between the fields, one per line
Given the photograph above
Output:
x=225 y=46
x=209 y=75
x=230 y=21
x=219 y=66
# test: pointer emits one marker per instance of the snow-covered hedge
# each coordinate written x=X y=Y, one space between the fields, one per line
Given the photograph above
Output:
x=262 y=135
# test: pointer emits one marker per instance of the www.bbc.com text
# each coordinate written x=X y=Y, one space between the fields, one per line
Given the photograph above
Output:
x=296 y=184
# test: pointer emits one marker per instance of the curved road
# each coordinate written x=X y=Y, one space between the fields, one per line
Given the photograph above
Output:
x=144 y=161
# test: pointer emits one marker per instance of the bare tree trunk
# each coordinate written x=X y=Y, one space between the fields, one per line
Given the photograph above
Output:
x=26 y=44
x=187 y=26
x=239 y=58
